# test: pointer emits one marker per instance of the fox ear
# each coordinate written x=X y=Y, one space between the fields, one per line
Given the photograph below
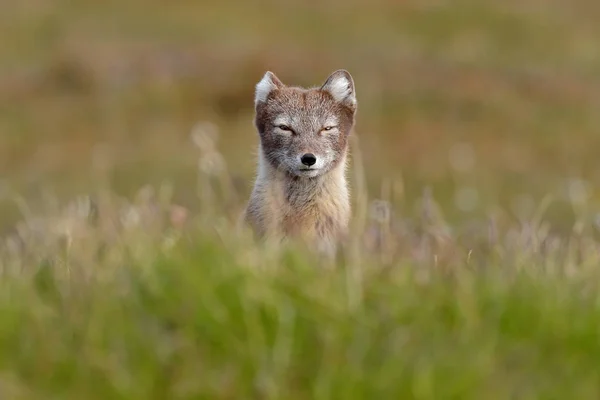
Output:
x=341 y=87
x=267 y=84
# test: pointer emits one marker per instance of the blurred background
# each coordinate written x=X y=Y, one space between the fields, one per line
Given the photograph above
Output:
x=491 y=104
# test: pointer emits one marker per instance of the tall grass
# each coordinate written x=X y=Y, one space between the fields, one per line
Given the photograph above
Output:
x=139 y=298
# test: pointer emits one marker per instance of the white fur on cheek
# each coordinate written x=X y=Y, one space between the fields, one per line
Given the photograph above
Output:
x=263 y=88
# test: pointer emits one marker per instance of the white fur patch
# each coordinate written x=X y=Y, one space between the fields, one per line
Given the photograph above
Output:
x=263 y=88
x=341 y=88
x=331 y=121
x=282 y=120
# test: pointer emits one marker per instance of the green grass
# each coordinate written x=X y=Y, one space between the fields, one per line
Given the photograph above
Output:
x=211 y=319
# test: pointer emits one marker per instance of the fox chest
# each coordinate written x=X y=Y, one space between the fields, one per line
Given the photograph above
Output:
x=311 y=221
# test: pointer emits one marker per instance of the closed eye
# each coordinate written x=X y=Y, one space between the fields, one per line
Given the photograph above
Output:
x=284 y=127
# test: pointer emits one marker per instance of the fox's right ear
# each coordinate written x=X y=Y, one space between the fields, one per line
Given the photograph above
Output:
x=267 y=84
x=341 y=87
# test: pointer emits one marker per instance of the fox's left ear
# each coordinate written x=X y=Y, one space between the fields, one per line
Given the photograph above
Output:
x=341 y=87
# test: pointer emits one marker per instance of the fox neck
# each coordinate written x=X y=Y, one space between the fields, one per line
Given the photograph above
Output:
x=303 y=191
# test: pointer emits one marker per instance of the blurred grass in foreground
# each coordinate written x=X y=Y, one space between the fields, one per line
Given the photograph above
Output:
x=197 y=321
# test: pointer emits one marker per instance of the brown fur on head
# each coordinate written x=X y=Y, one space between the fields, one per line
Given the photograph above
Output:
x=294 y=122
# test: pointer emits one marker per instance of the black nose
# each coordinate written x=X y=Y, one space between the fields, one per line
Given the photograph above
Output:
x=308 y=159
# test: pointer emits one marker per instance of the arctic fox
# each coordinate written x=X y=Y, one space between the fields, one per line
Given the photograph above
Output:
x=301 y=190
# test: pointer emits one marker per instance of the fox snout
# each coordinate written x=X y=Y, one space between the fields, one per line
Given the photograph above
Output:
x=308 y=159
x=309 y=163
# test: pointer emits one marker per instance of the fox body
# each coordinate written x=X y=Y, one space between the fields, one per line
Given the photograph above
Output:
x=301 y=189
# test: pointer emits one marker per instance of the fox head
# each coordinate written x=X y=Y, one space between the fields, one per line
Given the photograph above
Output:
x=304 y=132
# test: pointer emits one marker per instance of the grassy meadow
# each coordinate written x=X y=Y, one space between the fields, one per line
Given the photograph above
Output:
x=127 y=153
